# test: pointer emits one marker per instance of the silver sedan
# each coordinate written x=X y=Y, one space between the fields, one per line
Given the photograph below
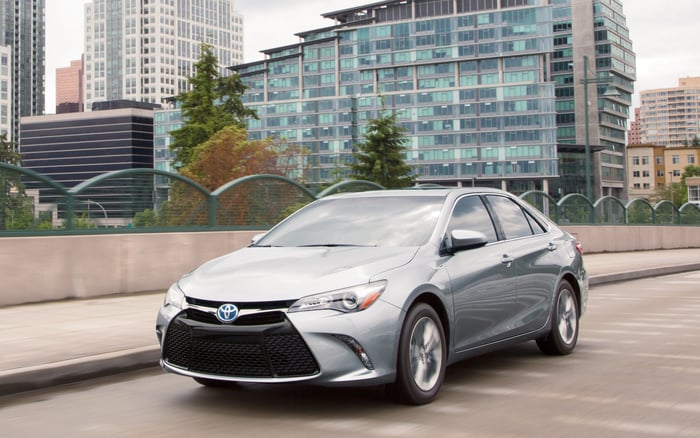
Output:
x=378 y=288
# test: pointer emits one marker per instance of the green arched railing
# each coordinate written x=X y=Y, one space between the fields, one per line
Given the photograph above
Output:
x=152 y=200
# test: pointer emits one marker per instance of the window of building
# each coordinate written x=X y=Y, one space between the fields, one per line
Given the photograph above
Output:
x=691 y=159
x=635 y=161
x=676 y=159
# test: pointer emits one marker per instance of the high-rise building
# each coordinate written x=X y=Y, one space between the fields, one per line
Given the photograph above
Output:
x=594 y=67
x=490 y=92
x=145 y=50
x=5 y=91
x=23 y=29
x=634 y=136
x=671 y=116
x=69 y=88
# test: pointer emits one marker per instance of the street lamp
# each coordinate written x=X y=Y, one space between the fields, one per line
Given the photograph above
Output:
x=610 y=91
x=671 y=175
x=89 y=201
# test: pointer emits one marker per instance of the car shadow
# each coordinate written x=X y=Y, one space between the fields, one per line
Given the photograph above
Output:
x=302 y=400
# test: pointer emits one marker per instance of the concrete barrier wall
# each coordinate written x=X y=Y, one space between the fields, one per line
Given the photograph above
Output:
x=35 y=269
x=603 y=238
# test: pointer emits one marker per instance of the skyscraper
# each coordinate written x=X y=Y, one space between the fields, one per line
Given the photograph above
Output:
x=5 y=91
x=144 y=50
x=23 y=30
x=489 y=91
x=69 y=88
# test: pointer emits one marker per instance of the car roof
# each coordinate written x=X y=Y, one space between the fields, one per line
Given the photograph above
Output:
x=419 y=192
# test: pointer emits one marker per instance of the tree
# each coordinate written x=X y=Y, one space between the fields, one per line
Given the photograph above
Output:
x=227 y=156
x=212 y=103
x=13 y=198
x=379 y=157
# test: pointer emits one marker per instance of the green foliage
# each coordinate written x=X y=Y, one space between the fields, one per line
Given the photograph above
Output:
x=639 y=213
x=146 y=218
x=212 y=103
x=380 y=156
x=13 y=197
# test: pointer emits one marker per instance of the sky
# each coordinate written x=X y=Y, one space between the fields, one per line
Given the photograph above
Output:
x=663 y=33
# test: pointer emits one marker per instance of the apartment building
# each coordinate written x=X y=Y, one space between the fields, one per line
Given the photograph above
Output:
x=144 y=50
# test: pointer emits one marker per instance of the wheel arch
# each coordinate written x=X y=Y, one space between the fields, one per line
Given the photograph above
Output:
x=571 y=279
x=437 y=304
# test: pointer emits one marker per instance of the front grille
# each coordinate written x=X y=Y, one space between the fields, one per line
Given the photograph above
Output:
x=265 y=351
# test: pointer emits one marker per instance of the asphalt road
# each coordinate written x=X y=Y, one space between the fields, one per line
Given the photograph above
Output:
x=635 y=373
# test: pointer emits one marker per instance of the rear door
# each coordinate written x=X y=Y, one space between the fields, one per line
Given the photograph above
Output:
x=535 y=265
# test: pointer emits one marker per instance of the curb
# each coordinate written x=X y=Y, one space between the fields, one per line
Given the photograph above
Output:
x=74 y=370
x=646 y=273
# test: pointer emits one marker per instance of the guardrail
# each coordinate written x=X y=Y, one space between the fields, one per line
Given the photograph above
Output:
x=151 y=200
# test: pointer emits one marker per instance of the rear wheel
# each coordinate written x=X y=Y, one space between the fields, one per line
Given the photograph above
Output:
x=563 y=335
x=421 y=358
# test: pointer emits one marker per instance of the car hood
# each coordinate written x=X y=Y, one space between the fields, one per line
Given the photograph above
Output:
x=275 y=274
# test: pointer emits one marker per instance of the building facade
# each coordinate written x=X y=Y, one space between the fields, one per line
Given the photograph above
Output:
x=69 y=88
x=634 y=136
x=486 y=90
x=652 y=167
x=671 y=116
x=75 y=147
x=646 y=167
x=145 y=51
x=693 y=184
x=5 y=91
x=23 y=30
x=594 y=68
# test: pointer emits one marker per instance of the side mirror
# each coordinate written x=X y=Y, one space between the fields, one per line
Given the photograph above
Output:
x=256 y=238
x=462 y=240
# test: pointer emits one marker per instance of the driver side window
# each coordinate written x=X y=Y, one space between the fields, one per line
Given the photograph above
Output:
x=470 y=214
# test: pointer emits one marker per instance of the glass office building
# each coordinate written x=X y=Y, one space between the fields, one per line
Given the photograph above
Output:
x=467 y=79
x=23 y=30
x=475 y=83
x=592 y=48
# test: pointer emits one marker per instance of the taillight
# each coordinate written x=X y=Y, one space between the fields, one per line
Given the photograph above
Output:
x=578 y=247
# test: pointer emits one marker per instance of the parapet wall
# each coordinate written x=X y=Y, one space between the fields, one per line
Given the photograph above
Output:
x=35 y=269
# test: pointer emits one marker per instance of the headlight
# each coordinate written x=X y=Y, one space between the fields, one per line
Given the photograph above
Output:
x=352 y=299
x=175 y=297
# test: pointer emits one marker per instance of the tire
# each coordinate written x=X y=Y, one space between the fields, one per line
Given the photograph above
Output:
x=422 y=357
x=562 y=337
x=213 y=383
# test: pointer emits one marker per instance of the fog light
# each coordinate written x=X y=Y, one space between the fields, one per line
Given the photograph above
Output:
x=357 y=349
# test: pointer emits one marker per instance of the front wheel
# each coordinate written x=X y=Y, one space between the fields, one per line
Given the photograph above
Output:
x=420 y=368
x=563 y=335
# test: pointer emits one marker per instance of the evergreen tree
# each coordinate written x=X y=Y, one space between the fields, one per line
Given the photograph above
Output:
x=380 y=157
x=212 y=103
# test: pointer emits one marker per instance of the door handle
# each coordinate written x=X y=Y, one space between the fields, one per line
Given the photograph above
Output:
x=552 y=246
x=506 y=259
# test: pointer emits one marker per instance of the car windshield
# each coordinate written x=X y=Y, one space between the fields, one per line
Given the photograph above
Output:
x=369 y=221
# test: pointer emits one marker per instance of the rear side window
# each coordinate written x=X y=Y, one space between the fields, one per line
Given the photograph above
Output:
x=510 y=216
x=471 y=214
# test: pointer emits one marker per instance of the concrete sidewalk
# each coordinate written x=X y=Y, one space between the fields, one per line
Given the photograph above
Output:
x=48 y=344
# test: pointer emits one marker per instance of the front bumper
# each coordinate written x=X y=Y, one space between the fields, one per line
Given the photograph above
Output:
x=320 y=347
